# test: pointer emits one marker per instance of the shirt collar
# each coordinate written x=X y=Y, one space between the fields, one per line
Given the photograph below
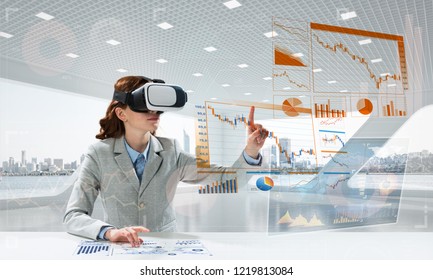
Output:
x=133 y=154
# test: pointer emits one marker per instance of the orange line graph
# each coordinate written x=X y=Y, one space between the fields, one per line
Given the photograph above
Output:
x=289 y=30
x=285 y=74
x=400 y=45
x=360 y=59
x=242 y=120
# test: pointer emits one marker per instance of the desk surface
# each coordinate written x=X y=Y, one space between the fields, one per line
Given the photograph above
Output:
x=244 y=245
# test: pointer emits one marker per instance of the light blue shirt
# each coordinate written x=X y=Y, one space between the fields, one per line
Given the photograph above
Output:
x=133 y=154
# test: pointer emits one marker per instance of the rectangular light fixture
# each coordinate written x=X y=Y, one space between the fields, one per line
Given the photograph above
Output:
x=165 y=25
x=365 y=42
x=6 y=35
x=210 y=49
x=348 y=15
x=243 y=65
x=197 y=74
x=161 y=60
x=267 y=78
x=332 y=82
x=72 y=55
x=225 y=85
x=385 y=74
x=113 y=42
x=376 y=60
x=232 y=4
x=317 y=70
x=44 y=16
x=271 y=34
x=121 y=70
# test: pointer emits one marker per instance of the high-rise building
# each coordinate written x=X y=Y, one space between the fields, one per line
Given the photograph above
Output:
x=58 y=162
x=48 y=161
x=23 y=158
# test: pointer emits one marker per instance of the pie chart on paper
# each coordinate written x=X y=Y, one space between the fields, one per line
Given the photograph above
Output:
x=292 y=107
x=364 y=106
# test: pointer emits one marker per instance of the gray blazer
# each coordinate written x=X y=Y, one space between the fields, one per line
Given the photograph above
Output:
x=108 y=171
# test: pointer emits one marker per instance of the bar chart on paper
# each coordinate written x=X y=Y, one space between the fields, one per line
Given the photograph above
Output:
x=93 y=248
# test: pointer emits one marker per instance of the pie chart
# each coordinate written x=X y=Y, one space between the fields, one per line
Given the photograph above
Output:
x=292 y=107
x=364 y=106
x=264 y=183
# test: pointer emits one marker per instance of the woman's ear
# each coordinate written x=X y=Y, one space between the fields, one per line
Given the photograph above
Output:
x=120 y=113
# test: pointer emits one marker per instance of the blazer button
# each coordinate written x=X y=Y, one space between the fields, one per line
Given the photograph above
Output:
x=141 y=205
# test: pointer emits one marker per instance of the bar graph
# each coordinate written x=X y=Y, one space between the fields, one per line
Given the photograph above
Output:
x=228 y=186
x=330 y=108
x=93 y=248
x=393 y=107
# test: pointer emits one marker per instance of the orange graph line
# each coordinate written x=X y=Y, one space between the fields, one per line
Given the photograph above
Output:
x=288 y=29
x=360 y=59
x=242 y=120
x=352 y=31
x=285 y=74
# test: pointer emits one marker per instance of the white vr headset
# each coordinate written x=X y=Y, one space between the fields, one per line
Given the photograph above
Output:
x=153 y=96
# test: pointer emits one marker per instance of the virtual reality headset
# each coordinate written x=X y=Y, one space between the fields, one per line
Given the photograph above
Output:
x=153 y=96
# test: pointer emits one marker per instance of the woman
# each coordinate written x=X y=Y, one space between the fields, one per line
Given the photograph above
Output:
x=132 y=202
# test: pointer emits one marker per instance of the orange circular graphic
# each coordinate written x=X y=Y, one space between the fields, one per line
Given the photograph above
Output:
x=364 y=106
x=290 y=106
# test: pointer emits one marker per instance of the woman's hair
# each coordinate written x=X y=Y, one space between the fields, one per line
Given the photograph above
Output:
x=111 y=125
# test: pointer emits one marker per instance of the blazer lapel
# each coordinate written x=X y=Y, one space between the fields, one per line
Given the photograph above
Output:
x=153 y=163
x=124 y=161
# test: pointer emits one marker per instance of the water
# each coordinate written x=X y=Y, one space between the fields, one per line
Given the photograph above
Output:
x=12 y=187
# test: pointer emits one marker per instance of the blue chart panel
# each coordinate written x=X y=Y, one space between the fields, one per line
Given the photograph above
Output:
x=93 y=248
x=360 y=186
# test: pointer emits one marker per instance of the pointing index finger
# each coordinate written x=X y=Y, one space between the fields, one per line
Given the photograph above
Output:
x=251 y=117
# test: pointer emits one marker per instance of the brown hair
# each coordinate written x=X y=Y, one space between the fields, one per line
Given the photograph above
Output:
x=111 y=125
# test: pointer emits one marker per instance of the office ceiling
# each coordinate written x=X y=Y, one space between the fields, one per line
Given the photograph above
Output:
x=36 y=53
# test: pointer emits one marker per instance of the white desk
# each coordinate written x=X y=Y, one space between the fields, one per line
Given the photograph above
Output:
x=237 y=246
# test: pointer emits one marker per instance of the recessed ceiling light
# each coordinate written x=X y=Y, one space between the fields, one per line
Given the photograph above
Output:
x=392 y=85
x=197 y=74
x=298 y=54
x=247 y=93
x=232 y=4
x=364 y=42
x=317 y=70
x=121 y=70
x=72 y=55
x=189 y=91
x=113 y=42
x=348 y=15
x=267 y=78
x=271 y=34
x=287 y=88
x=44 y=16
x=165 y=25
x=243 y=65
x=344 y=90
x=213 y=98
x=225 y=85
x=385 y=74
x=332 y=82
x=376 y=60
x=210 y=49
x=161 y=60
x=6 y=35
